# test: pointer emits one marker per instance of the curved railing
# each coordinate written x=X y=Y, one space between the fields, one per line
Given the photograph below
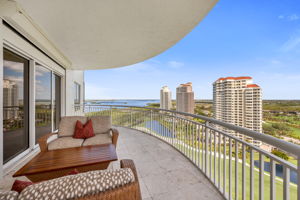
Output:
x=238 y=161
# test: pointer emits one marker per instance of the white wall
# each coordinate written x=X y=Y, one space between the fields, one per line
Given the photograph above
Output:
x=73 y=76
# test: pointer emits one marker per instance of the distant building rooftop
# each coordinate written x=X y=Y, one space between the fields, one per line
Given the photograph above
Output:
x=234 y=78
x=253 y=86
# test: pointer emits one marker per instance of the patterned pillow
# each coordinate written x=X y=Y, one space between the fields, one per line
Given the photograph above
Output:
x=8 y=195
x=76 y=186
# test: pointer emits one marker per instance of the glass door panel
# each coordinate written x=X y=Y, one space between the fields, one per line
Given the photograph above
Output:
x=15 y=105
x=43 y=93
x=56 y=100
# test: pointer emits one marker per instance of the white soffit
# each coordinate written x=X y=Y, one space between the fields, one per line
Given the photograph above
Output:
x=98 y=34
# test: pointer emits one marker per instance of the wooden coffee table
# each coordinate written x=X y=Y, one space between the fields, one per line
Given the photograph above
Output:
x=56 y=163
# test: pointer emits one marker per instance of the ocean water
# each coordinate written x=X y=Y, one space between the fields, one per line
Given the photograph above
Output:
x=124 y=102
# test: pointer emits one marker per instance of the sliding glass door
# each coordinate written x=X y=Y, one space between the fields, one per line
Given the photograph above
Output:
x=43 y=101
x=15 y=105
x=47 y=101
x=16 y=92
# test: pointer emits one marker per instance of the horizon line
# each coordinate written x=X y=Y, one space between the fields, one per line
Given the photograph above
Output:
x=175 y=99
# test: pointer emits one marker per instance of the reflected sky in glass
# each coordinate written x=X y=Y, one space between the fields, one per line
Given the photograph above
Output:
x=43 y=83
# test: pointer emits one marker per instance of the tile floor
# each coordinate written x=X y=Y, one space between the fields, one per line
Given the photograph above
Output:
x=165 y=174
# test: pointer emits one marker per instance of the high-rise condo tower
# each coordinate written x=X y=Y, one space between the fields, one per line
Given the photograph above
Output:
x=165 y=98
x=238 y=101
x=185 y=98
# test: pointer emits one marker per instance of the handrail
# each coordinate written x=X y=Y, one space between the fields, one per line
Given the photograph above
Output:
x=281 y=144
x=220 y=155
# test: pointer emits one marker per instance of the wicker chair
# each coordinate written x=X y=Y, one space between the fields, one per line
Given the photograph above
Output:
x=129 y=191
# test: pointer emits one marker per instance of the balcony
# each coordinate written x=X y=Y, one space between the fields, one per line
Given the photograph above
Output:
x=164 y=172
x=228 y=156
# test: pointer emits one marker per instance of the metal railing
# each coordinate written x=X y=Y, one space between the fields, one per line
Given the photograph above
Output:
x=237 y=168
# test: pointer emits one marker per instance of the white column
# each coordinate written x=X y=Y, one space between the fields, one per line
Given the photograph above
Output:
x=1 y=99
x=69 y=92
x=31 y=104
x=63 y=95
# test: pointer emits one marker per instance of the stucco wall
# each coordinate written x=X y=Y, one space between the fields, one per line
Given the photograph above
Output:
x=73 y=76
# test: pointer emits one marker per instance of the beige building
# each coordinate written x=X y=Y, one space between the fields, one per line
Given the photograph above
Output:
x=10 y=99
x=185 y=98
x=238 y=101
x=165 y=98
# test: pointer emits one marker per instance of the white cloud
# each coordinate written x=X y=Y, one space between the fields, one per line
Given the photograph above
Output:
x=275 y=62
x=175 y=64
x=16 y=79
x=292 y=43
x=14 y=66
x=292 y=17
x=39 y=73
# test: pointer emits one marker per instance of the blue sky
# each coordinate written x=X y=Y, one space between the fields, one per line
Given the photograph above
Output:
x=258 y=38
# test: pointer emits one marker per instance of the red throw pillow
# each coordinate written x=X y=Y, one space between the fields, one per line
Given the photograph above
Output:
x=73 y=172
x=84 y=131
x=18 y=185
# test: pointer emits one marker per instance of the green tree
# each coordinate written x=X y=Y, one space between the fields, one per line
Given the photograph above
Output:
x=280 y=154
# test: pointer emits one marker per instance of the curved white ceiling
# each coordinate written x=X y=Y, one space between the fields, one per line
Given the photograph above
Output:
x=97 y=34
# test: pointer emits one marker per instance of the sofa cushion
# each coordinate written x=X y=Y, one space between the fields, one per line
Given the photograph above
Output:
x=67 y=125
x=98 y=139
x=65 y=142
x=77 y=186
x=101 y=124
x=8 y=195
x=84 y=131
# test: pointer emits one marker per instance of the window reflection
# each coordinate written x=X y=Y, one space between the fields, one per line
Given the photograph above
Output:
x=43 y=111
x=15 y=105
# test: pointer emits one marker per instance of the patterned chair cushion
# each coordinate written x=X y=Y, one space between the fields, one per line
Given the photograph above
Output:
x=67 y=125
x=8 y=195
x=101 y=124
x=76 y=186
x=65 y=142
x=98 y=139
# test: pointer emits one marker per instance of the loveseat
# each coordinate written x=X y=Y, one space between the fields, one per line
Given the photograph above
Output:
x=118 y=184
x=104 y=133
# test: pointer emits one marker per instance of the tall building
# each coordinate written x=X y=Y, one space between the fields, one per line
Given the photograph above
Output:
x=10 y=99
x=185 y=98
x=238 y=101
x=165 y=98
